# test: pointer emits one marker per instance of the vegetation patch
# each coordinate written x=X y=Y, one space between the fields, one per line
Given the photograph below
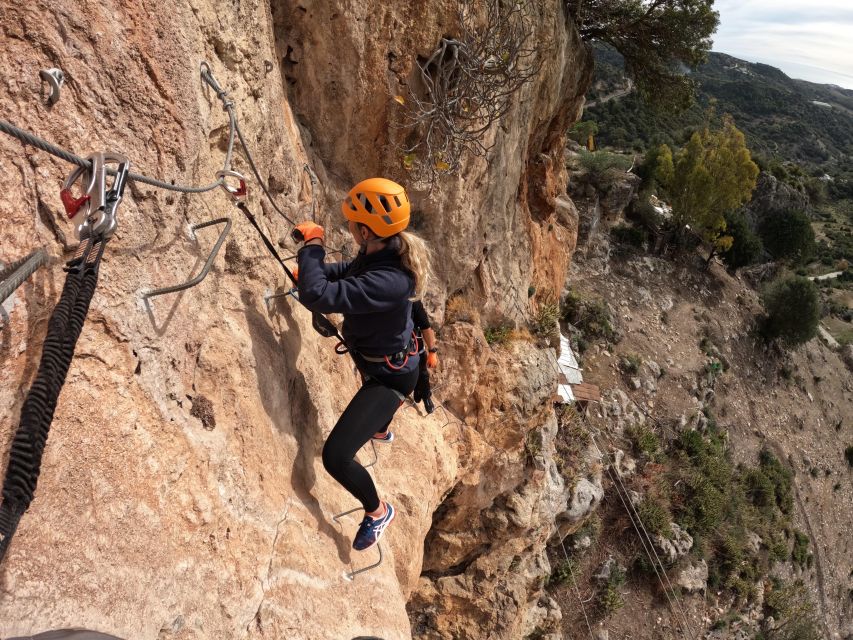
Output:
x=499 y=335
x=589 y=316
x=792 y=310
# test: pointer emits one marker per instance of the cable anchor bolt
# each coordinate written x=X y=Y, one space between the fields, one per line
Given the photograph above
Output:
x=55 y=78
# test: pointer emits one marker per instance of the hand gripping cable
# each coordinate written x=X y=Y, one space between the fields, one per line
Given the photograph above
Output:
x=95 y=226
x=321 y=323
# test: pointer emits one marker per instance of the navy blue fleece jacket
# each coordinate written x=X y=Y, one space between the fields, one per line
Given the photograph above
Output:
x=372 y=292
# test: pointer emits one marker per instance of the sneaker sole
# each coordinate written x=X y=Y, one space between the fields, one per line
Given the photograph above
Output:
x=390 y=439
x=381 y=533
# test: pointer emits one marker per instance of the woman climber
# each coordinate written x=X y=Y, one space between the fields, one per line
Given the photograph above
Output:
x=374 y=292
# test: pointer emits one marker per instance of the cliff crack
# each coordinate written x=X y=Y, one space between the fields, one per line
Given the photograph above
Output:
x=265 y=581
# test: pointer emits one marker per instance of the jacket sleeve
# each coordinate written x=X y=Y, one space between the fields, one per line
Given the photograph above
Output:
x=371 y=292
x=419 y=315
x=335 y=270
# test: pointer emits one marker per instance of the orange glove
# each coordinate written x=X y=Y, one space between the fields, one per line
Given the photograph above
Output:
x=305 y=231
x=295 y=272
x=432 y=360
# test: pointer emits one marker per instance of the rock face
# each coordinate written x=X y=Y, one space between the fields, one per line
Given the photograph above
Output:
x=772 y=196
x=182 y=495
x=694 y=578
x=677 y=545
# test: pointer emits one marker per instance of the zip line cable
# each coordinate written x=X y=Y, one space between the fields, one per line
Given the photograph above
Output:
x=645 y=540
x=676 y=606
x=577 y=591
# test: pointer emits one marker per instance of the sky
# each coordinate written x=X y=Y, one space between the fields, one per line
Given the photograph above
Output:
x=808 y=39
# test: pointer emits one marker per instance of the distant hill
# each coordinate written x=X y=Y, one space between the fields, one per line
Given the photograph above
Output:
x=783 y=119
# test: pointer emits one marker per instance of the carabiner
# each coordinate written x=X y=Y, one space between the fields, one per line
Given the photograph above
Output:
x=238 y=194
x=100 y=197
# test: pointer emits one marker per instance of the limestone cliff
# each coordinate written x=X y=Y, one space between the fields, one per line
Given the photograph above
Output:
x=182 y=494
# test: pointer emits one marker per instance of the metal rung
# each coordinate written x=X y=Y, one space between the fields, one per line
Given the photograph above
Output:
x=207 y=265
x=350 y=575
x=293 y=291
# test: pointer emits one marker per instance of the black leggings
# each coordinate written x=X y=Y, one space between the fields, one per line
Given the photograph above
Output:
x=370 y=411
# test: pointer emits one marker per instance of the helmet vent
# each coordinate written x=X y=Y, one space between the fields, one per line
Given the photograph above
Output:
x=362 y=198
x=397 y=200
x=384 y=202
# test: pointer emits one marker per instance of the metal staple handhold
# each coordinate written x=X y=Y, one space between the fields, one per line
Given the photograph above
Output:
x=55 y=78
x=207 y=265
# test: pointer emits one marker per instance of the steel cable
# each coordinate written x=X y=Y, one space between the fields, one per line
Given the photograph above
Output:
x=14 y=275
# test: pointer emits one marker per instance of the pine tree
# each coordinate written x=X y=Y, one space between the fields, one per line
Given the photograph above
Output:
x=657 y=38
x=712 y=175
x=793 y=310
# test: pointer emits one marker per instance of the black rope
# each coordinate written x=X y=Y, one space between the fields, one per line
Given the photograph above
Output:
x=66 y=323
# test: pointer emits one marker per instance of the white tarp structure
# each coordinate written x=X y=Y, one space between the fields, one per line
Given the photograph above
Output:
x=570 y=372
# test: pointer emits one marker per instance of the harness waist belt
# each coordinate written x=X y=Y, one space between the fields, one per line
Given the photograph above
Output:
x=409 y=349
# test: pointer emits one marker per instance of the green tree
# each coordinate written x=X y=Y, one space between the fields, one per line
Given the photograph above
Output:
x=793 y=310
x=656 y=170
x=657 y=38
x=581 y=131
x=788 y=235
x=714 y=173
x=746 y=246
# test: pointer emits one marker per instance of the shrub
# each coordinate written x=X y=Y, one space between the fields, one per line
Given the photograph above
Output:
x=644 y=441
x=759 y=488
x=793 y=610
x=609 y=597
x=800 y=553
x=746 y=246
x=561 y=574
x=780 y=476
x=499 y=335
x=629 y=235
x=601 y=161
x=591 y=317
x=460 y=308
x=788 y=235
x=793 y=310
x=547 y=317
x=655 y=516
x=631 y=363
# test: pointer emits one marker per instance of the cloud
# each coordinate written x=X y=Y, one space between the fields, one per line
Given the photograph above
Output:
x=810 y=43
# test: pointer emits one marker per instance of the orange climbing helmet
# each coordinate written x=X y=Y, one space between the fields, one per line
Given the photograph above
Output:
x=380 y=204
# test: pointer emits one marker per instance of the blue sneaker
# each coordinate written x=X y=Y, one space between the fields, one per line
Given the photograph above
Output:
x=371 y=529
x=388 y=436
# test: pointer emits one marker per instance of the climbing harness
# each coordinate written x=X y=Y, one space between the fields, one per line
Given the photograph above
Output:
x=95 y=226
x=412 y=349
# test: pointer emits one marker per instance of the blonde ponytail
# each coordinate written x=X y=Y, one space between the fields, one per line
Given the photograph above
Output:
x=417 y=258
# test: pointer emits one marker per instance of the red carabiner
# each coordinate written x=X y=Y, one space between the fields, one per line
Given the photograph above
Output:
x=72 y=204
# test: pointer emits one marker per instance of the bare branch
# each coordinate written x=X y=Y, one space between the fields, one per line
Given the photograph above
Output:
x=467 y=84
